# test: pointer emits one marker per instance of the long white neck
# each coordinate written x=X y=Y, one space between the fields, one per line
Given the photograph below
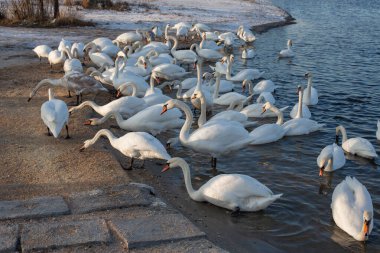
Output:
x=342 y=130
x=129 y=84
x=66 y=51
x=229 y=68
x=174 y=48
x=199 y=75
x=309 y=85
x=166 y=32
x=151 y=82
x=250 y=88
x=217 y=86
x=52 y=82
x=103 y=132
x=122 y=123
x=179 y=91
x=280 y=115
x=51 y=94
x=189 y=187
x=92 y=104
x=300 y=97
x=185 y=130
x=202 y=118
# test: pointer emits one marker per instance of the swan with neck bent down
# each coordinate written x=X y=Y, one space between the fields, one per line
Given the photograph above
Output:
x=216 y=139
x=234 y=192
x=352 y=208
x=134 y=145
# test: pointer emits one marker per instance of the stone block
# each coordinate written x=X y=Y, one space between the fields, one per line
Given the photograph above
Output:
x=152 y=230
x=8 y=238
x=59 y=234
x=33 y=208
x=120 y=196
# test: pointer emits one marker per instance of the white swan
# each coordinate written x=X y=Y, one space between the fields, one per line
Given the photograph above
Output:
x=64 y=44
x=219 y=138
x=249 y=74
x=56 y=57
x=196 y=102
x=287 y=53
x=255 y=110
x=98 y=58
x=76 y=82
x=126 y=106
x=156 y=59
x=227 y=98
x=207 y=54
x=71 y=64
x=268 y=133
x=352 y=208
x=248 y=53
x=152 y=99
x=55 y=115
x=234 y=192
x=246 y=34
x=139 y=145
x=77 y=50
x=356 y=146
x=200 y=28
x=148 y=120
x=378 y=130
x=129 y=37
x=331 y=158
x=212 y=35
x=300 y=125
x=311 y=94
x=42 y=51
x=208 y=44
x=264 y=86
x=229 y=115
x=305 y=111
x=185 y=56
x=169 y=71
x=220 y=66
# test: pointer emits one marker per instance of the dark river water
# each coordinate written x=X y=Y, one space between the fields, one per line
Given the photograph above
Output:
x=339 y=42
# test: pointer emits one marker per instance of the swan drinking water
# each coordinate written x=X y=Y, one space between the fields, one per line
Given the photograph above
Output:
x=331 y=158
x=134 y=145
x=235 y=192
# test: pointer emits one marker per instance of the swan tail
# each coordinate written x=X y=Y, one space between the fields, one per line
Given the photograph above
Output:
x=284 y=108
x=320 y=126
x=250 y=123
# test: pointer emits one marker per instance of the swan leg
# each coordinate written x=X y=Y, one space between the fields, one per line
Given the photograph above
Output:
x=48 y=133
x=235 y=212
x=130 y=165
x=67 y=132
x=69 y=96
x=213 y=162
x=77 y=99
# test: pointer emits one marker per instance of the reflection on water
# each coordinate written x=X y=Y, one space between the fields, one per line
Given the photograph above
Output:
x=338 y=42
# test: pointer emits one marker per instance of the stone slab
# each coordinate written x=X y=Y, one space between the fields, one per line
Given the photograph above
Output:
x=187 y=246
x=152 y=230
x=33 y=208
x=8 y=238
x=120 y=196
x=59 y=234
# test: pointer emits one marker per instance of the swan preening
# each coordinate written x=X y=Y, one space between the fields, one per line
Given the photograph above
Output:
x=352 y=208
x=234 y=192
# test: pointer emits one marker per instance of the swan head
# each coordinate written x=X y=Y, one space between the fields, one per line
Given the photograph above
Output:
x=232 y=57
x=172 y=163
x=266 y=107
x=290 y=43
x=207 y=76
x=246 y=83
x=91 y=122
x=308 y=75
x=326 y=162
x=169 y=105
x=86 y=144
x=197 y=94
x=367 y=220
x=155 y=77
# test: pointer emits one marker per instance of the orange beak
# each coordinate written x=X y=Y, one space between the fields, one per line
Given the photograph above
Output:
x=243 y=88
x=321 y=171
x=366 y=227
x=166 y=168
x=144 y=65
x=118 y=94
x=194 y=96
x=164 y=109
x=157 y=80
x=195 y=65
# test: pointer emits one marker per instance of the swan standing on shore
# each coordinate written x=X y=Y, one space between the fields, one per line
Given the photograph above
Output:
x=352 y=208
x=139 y=145
x=235 y=192
x=219 y=138
x=331 y=158
x=55 y=115
x=42 y=51
x=356 y=146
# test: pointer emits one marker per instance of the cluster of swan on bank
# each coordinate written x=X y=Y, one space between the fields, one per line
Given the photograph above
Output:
x=138 y=66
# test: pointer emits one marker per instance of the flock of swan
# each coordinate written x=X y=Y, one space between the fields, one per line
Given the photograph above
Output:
x=138 y=66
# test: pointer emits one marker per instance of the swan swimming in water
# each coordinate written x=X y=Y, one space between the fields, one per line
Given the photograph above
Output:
x=331 y=158
x=235 y=192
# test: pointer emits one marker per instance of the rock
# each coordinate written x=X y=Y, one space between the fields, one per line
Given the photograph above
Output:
x=157 y=229
x=58 y=234
x=33 y=208
x=120 y=196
